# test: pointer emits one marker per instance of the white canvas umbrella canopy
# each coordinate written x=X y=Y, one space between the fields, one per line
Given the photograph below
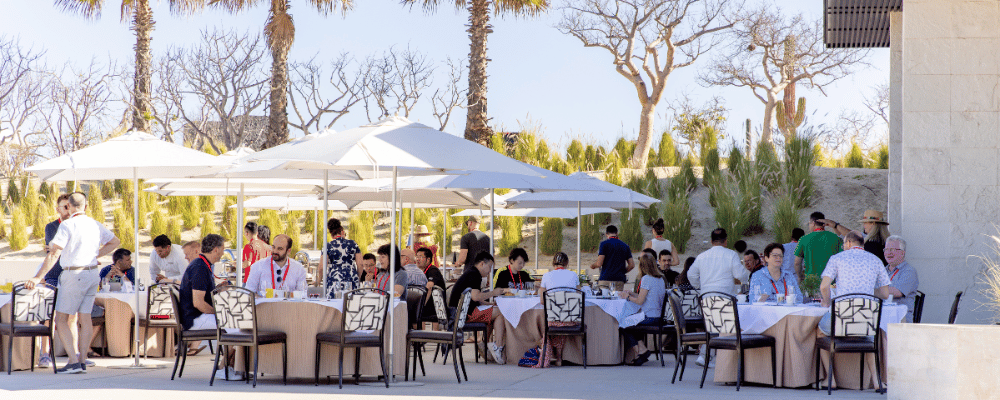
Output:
x=611 y=195
x=539 y=213
x=133 y=155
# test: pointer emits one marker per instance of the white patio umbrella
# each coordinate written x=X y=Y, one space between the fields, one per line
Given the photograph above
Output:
x=133 y=155
x=539 y=212
x=611 y=195
x=393 y=145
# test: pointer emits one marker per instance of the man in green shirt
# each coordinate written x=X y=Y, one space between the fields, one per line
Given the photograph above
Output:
x=815 y=248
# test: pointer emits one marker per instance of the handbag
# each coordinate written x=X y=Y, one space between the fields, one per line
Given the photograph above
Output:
x=530 y=358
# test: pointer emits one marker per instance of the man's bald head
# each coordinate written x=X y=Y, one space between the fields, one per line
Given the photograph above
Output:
x=77 y=202
x=409 y=257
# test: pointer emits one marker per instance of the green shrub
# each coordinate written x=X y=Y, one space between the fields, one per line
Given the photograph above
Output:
x=108 y=189
x=361 y=228
x=308 y=224
x=667 y=152
x=737 y=163
x=270 y=219
x=207 y=203
x=191 y=214
x=651 y=187
x=13 y=194
x=575 y=154
x=95 y=203
x=687 y=178
x=750 y=204
x=624 y=149
x=510 y=234
x=208 y=225
x=70 y=186
x=630 y=230
x=677 y=221
x=767 y=166
x=123 y=229
x=613 y=170
x=3 y=225
x=709 y=140
x=712 y=170
x=175 y=204
x=45 y=192
x=41 y=219
x=590 y=232
x=799 y=159
x=174 y=229
x=18 y=230
x=552 y=237
x=293 y=231
x=158 y=225
x=785 y=216
x=855 y=158
x=29 y=202
x=229 y=228
x=727 y=209
x=882 y=157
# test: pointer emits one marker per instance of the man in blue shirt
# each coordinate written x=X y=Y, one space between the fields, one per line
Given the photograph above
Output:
x=614 y=258
x=120 y=270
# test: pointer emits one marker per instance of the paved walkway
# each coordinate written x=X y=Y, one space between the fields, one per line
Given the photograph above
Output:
x=507 y=381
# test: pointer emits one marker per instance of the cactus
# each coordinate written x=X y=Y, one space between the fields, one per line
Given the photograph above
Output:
x=790 y=117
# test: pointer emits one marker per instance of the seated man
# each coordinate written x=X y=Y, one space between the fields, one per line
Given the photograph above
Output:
x=167 y=262
x=120 y=270
x=514 y=276
x=278 y=271
x=856 y=271
x=191 y=250
x=368 y=268
x=195 y=294
x=903 y=280
x=414 y=275
x=472 y=279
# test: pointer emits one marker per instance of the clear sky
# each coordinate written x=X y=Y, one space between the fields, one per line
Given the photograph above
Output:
x=537 y=74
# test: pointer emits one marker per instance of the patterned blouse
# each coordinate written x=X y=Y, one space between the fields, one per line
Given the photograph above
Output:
x=342 y=266
x=856 y=271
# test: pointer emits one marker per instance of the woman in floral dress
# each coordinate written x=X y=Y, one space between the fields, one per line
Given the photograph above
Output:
x=344 y=256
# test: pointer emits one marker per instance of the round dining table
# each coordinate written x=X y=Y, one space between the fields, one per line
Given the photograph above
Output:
x=522 y=324
x=795 y=329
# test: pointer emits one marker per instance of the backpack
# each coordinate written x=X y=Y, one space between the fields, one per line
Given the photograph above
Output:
x=530 y=358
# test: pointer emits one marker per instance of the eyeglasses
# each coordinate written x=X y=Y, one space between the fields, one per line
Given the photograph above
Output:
x=888 y=249
x=777 y=255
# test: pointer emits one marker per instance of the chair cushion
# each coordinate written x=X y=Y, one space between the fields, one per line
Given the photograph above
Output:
x=749 y=342
x=263 y=337
x=695 y=337
x=351 y=338
x=25 y=329
x=649 y=328
x=198 y=334
x=850 y=344
x=564 y=330
x=437 y=336
x=474 y=326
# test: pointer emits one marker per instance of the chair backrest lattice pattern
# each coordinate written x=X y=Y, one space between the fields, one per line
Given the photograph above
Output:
x=689 y=304
x=34 y=305
x=159 y=304
x=564 y=305
x=365 y=310
x=234 y=308
x=720 y=313
x=440 y=306
x=855 y=315
x=463 y=309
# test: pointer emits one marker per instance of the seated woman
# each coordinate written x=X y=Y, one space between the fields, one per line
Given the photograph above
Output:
x=513 y=277
x=771 y=281
x=682 y=282
x=558 y=278
x=382 y=279
x=650 y=297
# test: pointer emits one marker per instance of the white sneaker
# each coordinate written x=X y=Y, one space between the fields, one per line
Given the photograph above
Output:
x=700 y=361
x=233 y=375
x=497 y=353
x=44 y=361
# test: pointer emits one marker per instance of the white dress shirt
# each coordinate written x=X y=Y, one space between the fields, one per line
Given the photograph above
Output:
x=264 y=273
x=80 y=238
x=172 y=267
x=714 y=270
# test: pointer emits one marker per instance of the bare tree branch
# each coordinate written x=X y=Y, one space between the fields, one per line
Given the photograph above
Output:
x=453 y=95
x=308 y=103
x=78 y=107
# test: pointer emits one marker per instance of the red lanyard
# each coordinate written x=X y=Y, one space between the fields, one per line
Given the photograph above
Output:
x=784 y=282
x=893 y=274
x=207 y=264
x=382 y=282
x=284 y=277
x=513 y=279
x=428 y=268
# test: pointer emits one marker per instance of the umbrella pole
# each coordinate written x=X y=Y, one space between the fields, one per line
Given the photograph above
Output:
x=410 y=238
x=493 y=230
x=239 y=236
x=315 y=228
x=322 y=253
x=579 y=221
x=392 y=279
x=536 y=243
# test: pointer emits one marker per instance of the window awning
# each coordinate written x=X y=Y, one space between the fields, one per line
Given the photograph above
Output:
x=858 y=23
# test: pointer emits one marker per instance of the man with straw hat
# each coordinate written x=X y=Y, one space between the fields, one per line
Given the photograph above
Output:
x=875 y=230
x=424 y=238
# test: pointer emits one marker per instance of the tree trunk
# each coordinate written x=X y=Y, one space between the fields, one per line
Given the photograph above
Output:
x=277 y=123
x=142 y=24
x=640 y=156
x=476 y=128
x=765 y=135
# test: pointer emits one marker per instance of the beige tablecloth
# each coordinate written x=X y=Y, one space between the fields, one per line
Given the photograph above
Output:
x=795 y=341
x=301 y=321
x=604 y=346
x=22 y=346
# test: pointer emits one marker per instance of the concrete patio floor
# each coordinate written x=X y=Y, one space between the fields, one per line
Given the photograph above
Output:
x=493 y=381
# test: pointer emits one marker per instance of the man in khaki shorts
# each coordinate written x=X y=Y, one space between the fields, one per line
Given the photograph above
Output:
x=78 y=243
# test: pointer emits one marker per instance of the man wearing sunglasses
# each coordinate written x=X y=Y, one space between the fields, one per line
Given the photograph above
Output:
x=277 y=271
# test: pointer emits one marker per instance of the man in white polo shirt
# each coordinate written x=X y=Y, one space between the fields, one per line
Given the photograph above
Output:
x=78 y=243
x=277 y=271
x=166 y=262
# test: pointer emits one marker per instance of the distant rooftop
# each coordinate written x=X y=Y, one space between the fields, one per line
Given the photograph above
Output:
x=858 y=23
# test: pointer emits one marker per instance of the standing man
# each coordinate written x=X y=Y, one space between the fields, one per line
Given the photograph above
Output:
x=856 y=271
x=52 y=277
x=788 y=262
x=278 y=271
x=77 y=244
x=614 y=258
x=167 y=262
x=815 y=248
x=716 y=270
x=471 y=244
x=903 y=280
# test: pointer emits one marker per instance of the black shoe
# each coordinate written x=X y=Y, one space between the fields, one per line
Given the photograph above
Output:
x=75 y=368
x=641 y=359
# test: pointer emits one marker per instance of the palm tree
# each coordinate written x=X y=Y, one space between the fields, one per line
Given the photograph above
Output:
x=141 y=16
x=280 y=33
x=476 y=128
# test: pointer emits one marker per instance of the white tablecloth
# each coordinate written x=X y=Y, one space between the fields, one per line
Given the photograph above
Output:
x=757 y=318
x=625 y=312
x=128 y=298
x=4 y=299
